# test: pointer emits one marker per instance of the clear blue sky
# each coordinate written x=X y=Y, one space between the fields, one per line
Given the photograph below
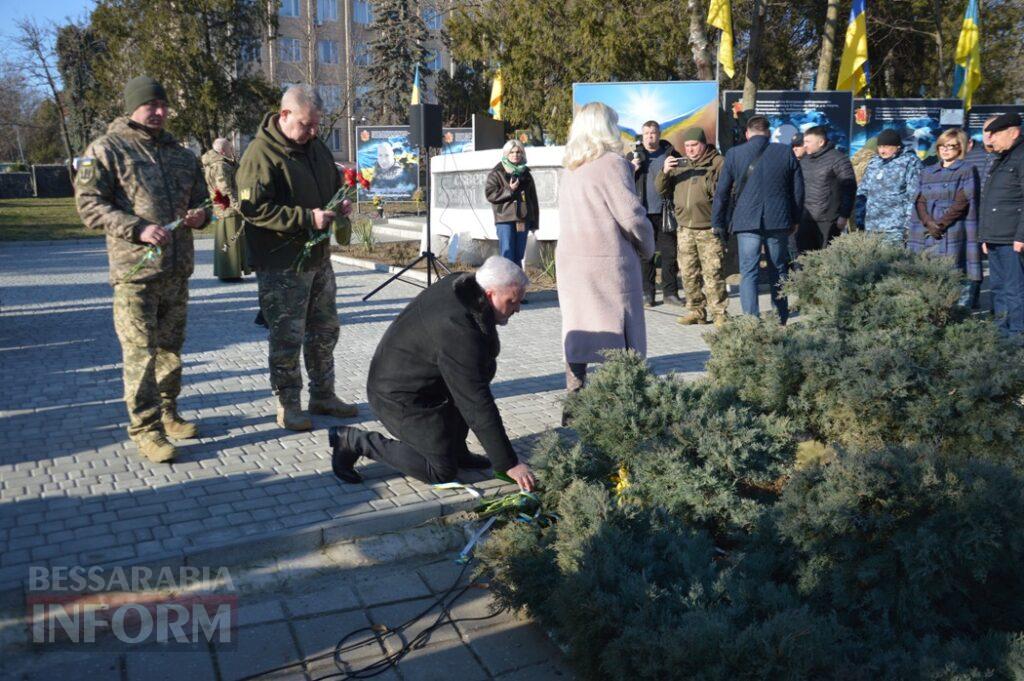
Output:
x=43 y=11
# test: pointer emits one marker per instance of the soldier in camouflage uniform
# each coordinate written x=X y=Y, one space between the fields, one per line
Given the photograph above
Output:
x=131 y=182
x=219 y=166
x=886 y=195
x=691 y=181
x=286 y=177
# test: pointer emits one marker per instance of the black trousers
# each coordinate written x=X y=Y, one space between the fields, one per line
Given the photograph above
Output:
x=428 y=467
x=666 y=246
x=814 y=235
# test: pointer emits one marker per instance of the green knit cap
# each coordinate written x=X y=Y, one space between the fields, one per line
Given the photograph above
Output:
x=140 y=90
x=694 y=134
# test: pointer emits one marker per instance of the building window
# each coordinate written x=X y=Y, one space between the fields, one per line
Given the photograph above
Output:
x=362 y=12
x=362 y=55
x=327 y=51
x=334 y=140
x=362 y=92
x=326 y=10
x=331 y=96
x=251 y=51
x=289 y=8
x=290 y=50
x=433 y=60
x=432 y=18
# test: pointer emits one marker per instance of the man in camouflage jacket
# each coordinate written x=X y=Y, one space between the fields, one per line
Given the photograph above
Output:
x=133 y=182
x=285 y=179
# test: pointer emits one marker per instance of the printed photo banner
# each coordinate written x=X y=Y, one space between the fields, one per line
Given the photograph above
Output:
x=676 y=106
x=917 y=121
x=979 y=113
x=385 y=158
x=790 y=112
x=456 y=140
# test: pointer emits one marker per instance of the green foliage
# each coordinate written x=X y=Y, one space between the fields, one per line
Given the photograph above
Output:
x=689 y=545
x=463 y=94
x=194 y=48
x=78 y=51
x=396 y=49
x=881 y=356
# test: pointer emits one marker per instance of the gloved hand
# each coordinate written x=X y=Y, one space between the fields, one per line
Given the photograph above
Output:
x=934 y=229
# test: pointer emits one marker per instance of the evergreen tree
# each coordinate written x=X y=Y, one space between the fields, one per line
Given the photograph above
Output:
x=78 y=50
x=399 y=43
x=194 y=48
x=462 y=95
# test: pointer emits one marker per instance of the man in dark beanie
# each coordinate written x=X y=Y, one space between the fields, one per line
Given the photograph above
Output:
x=690 y=182
x=135 y=183
x=1001 y=229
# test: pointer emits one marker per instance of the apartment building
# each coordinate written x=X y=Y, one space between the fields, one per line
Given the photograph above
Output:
x=327 y=43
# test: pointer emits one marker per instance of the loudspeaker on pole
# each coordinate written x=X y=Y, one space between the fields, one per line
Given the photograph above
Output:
x=425 y=125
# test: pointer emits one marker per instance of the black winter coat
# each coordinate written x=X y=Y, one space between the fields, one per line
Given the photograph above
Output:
x=830 y=187
x=441 y=351
x=1002 y=198
x=513 y=206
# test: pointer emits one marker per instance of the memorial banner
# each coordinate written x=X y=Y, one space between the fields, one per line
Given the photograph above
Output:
x=385 y=158
x=790 y=112
x=917 y=121
x=979 y=113
x=676 y=106
x=456 y=140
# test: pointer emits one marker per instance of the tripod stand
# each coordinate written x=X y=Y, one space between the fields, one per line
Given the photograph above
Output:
x=433 y=264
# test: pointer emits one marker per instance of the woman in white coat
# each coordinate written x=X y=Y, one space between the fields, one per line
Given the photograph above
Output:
x=603 y=236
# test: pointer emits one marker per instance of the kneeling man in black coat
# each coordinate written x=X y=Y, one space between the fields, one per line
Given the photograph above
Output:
x=430 y=382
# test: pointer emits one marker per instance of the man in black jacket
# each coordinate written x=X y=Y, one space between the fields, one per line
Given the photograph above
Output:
x=429 y=382
x=1001 y=228
x=648 y=160
x=830 y=188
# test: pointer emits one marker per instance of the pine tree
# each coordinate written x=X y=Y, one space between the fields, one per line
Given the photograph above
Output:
x=398 y=45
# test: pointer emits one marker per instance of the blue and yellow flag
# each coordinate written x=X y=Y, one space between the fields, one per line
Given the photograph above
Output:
x=497 y=96
x=967 y=74
x=416 y=87
x=854 y=74
x=720 y=16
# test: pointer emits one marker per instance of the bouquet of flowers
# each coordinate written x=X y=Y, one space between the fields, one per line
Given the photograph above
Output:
x=153 y=251
x=343 y=199
x=520 y=506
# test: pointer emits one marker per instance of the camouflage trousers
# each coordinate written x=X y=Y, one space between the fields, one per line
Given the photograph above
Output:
x=700 y=261
x=302 y=317
x=149 y=318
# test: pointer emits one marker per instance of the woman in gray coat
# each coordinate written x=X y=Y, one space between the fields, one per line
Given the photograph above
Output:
x=603 y=235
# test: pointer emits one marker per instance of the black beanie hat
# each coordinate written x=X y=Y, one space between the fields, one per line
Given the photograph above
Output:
x=889 y=138
x=140 y=90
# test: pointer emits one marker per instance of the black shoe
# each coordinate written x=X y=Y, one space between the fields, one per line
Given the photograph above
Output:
x=649 y=300
x=260 y=321
x=470 y=461
x=343 y=455
x=230 y=280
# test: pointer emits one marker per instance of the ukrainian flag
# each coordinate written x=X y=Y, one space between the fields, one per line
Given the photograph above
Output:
x=497 y=95
x=967 y=74
x=854 y=74
x=416 y=87
x=720 y=16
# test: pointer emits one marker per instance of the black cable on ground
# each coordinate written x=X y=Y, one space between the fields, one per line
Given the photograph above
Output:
x=381 y=634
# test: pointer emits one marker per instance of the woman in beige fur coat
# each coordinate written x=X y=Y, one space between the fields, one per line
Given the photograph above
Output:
x=603 y=235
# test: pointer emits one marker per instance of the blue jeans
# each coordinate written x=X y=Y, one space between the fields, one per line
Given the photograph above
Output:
x=777 y=242
x=1006 y=270
x=511 y=244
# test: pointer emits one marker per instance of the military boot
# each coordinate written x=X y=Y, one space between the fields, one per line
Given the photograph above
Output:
x=289 y=412
x=693 y=317
x=176 y=427
x=330 y=405
x=720 y=319
x=155 y=447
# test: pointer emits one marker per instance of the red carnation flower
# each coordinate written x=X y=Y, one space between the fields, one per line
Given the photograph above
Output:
x=350 y=177
x=222 y=201
x=363 y=182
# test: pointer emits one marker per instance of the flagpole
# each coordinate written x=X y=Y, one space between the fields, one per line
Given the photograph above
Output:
x=718 y=62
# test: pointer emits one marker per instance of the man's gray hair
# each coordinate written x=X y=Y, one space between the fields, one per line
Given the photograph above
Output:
x=302 y=96
x=220 y=144
x=498 y=273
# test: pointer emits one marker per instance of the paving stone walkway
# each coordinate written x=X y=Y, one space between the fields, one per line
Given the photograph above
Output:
x=304 y=607
x=72 y=490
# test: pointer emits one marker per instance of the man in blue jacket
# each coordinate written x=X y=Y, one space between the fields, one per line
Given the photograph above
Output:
x=1001 y=228
x=762 y=185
